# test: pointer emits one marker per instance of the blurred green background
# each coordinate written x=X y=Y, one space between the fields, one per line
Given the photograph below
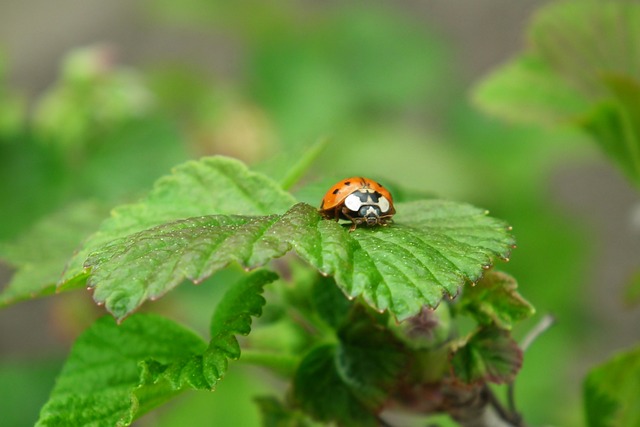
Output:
x=98 y=99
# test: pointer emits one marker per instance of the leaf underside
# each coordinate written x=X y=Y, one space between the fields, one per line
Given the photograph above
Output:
x=495 y=300
x=489 y=354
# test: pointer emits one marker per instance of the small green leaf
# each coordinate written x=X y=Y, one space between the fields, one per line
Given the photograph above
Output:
x=612 y=392
x=320 y=391
x=434 y=247
x=116 y=373
x=494 y=299
x=489 y=354
x=369 y=358
x=350 y=381
x=231 y=317
x=40 y=254
x=213 y=185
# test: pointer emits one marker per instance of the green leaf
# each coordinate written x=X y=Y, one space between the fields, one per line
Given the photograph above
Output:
x=40 y=254
x=330 y=302
x=231 y=317
x=528 y=90
x=434 y=247
x=320 y=391
x=116 y=373
x=582 y=66
x=495 y=300
x=349 y=382
x=214 y=185
x=369 y=358
x=95 y=385
x=615 y=124
x=489 y=354
x=612 y=392
x=573 y=45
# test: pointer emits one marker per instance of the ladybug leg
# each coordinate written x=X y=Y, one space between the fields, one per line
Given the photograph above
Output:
x=385 y=220
x=336 y=213
x=355 y=221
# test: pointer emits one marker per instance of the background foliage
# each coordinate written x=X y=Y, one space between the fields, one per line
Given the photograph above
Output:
x=384 y=88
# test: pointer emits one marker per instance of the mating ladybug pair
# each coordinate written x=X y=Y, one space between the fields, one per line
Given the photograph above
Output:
x=359 y=200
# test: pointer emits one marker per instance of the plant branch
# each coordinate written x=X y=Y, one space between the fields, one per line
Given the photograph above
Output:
x=545 y=323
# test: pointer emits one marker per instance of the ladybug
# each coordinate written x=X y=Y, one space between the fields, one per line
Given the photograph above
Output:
x=359 y=200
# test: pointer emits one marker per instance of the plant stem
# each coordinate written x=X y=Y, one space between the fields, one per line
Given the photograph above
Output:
x=545 y=323
x=480 y=408
x=300 y=168
x=282 y=363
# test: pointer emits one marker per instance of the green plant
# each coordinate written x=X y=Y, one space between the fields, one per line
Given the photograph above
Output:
x=356 y=357
x=294 y=314
x=581 y=69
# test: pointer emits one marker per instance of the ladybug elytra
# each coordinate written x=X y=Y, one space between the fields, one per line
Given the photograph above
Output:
x=359 y=200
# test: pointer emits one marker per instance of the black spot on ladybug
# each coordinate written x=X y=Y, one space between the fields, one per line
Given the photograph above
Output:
x=347 y=183
x=336 y=191
x=380 y=185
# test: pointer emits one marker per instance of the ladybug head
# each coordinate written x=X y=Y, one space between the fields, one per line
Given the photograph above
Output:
x=370 y=213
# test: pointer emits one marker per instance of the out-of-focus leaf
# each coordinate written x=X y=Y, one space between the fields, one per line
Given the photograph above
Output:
x=40 y=255
x=347 y=383
x=369 y=358
x=615 y=124
x=528 y=90
x=321 y=392
x=494 y=299
x=330 y=302
x=582 y=66
x=489 y=354
x=91 y=97
x=276 y=414
x=612 y=392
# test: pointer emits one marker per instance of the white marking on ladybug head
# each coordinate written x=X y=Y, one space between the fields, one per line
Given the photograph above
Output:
x=383 y=204
x=353 y=203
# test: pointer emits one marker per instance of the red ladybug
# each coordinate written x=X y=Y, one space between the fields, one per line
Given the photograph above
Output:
x=359 y=200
